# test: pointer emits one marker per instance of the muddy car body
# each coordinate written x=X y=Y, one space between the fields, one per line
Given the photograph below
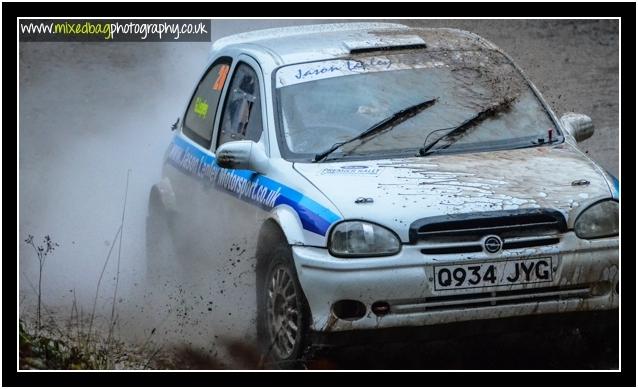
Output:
x=473 y=203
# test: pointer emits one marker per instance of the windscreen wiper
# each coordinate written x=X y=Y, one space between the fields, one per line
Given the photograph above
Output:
x=392 y=120
x=463 y=127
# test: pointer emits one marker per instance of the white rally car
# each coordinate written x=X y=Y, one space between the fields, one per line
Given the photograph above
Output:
x=390 y=177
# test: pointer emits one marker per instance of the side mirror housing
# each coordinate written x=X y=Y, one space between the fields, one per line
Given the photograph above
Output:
x=243 y=155
x=579 y=126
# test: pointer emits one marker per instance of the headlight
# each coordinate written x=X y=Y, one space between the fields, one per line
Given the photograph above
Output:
x=361 y=239
x=598 y=221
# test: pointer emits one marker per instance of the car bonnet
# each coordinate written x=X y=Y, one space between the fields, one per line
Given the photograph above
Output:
x=396 y=192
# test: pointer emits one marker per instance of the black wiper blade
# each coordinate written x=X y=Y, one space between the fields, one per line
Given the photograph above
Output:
x=460 y=129
x=392 y=120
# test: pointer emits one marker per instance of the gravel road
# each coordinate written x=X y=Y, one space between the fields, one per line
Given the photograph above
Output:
x=89 y=112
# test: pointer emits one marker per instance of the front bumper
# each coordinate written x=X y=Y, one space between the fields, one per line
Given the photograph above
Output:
x=585 y=279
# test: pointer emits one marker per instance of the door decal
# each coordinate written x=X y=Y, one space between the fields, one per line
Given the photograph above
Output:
x=247 y=186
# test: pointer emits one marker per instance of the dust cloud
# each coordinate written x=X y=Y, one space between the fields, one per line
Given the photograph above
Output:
x=89 y=113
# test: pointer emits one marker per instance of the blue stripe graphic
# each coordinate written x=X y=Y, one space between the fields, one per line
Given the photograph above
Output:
x=615 y=185
x=193 y=161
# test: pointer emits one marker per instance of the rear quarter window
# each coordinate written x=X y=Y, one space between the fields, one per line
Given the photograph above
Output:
x=200 y=115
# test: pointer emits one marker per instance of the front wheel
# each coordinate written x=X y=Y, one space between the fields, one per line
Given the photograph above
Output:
x=284 y=313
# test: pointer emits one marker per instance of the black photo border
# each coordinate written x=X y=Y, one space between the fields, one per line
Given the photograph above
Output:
x=627 y=375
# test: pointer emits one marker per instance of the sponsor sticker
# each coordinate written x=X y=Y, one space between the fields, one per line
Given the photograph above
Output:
x=312 y=71
x=201 y=107
x=247 y=186
x=351 y=170
x=221 y=78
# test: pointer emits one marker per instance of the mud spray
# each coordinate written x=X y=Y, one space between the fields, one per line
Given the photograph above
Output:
x=89 y=113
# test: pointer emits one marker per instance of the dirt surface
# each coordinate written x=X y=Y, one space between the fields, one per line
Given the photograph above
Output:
x=90 y=112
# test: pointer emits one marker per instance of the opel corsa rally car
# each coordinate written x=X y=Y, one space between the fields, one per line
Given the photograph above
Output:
x=393 y=177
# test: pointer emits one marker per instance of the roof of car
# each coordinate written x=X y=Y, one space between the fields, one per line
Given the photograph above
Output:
x=324 y=41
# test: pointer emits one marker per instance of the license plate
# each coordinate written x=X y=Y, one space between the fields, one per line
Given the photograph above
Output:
x=498 y=273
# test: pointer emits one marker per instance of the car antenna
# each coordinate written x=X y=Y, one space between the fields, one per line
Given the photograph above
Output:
x=174 y=125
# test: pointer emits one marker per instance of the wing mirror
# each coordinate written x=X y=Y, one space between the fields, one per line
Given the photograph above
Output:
x=579 y=126
x=243 y=155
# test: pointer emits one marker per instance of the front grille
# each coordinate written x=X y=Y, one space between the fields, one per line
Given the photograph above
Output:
x=476 y=247
x=490 y=299
x=464 y=233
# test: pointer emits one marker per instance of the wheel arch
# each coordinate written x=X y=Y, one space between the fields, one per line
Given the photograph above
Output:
x=271 y=236
x=282 y=227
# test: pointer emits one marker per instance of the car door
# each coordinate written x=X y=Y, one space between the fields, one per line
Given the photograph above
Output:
x=242 y=117
x=190 y=161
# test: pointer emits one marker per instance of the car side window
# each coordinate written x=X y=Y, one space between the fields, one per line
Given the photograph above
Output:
x=200 y=115
x=242 y=109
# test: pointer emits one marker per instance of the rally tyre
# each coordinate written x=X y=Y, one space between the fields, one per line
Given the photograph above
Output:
x=159 y=246
x=283 y=313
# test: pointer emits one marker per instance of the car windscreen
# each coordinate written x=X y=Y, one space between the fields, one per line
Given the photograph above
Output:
x=326 y=102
